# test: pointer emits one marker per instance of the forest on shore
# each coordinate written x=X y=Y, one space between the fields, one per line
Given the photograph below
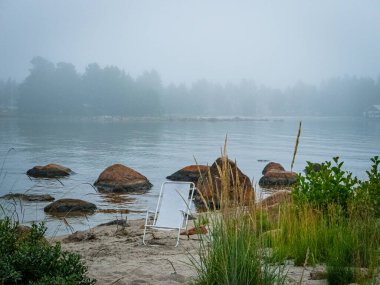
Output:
x=58 y=89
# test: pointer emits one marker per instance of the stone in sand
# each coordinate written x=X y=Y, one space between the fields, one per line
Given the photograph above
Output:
x=51 y=170
x=120 y=178
x=201 y=230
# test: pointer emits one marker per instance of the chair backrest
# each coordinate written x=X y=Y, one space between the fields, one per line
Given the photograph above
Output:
x=174 y=203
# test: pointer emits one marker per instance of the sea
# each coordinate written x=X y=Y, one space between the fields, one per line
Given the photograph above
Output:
x=157 y=147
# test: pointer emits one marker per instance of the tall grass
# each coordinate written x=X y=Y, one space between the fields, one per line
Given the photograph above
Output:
x=233 y=252
x=345 y=243
x=333 y=219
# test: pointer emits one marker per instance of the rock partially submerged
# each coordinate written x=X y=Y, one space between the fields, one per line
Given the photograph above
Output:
x=189 y=173
x=211 y=189
x=120 y=178
x=275 y=175
x=272 y=166
x=70 y=207
x=29 y=197
x=51 y=170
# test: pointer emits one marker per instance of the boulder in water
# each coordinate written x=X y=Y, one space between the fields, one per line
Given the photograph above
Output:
x=273 y=166
x=70 y=207
x=120 y=179
x=275 y=175
x=51 y=170
x=29 y=197
x=189 y=173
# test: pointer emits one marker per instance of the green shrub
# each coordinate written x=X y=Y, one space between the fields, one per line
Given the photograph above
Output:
x=328 y=185
x=369 y=190
x=27 y=258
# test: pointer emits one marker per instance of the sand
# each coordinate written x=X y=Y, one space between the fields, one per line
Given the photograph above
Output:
x=115 y=254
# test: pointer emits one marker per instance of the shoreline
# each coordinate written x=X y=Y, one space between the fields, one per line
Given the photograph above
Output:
x=114 y=254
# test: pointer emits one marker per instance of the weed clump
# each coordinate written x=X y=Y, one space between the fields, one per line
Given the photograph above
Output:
x=27 y=258
x=335 y=218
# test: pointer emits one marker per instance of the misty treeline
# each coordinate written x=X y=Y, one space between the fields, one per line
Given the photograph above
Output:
x=59 y=89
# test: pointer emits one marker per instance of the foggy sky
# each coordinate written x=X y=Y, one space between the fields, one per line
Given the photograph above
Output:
x=275 y=43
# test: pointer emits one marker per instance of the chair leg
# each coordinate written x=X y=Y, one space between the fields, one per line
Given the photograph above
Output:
x=144 y=236
x=179 y=231
x=146 y=223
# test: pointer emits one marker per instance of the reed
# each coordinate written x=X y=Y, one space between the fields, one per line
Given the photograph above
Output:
x=296 y=145
x=233 y=252
x=345 y=243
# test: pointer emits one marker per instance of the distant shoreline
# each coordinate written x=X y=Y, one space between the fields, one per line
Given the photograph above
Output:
x=166 y=118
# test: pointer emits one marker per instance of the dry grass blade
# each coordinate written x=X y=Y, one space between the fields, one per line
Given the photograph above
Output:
x=60 y=182
x=93 y=187
x=70 y=227
x=296 y=146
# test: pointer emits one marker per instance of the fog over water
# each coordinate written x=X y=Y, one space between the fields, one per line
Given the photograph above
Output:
x=276 y=43
x=155 y=85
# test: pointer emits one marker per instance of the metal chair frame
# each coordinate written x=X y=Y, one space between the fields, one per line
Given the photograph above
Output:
x=183 y=211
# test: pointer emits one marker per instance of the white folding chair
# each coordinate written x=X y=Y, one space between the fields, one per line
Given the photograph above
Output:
x=173 y=208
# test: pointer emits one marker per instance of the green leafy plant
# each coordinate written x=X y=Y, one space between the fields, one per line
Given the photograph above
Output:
x=27 y=258
x=330 y=184
x=369 y=190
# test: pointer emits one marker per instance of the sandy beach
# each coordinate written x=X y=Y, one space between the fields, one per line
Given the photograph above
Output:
x=115 y=254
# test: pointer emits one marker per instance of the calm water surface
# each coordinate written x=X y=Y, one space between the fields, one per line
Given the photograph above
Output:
x=159 y=148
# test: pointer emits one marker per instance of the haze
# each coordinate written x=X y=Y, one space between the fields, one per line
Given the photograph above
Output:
x=275 y=43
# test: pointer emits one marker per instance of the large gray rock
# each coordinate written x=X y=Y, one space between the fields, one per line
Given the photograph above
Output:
x=120 y=178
